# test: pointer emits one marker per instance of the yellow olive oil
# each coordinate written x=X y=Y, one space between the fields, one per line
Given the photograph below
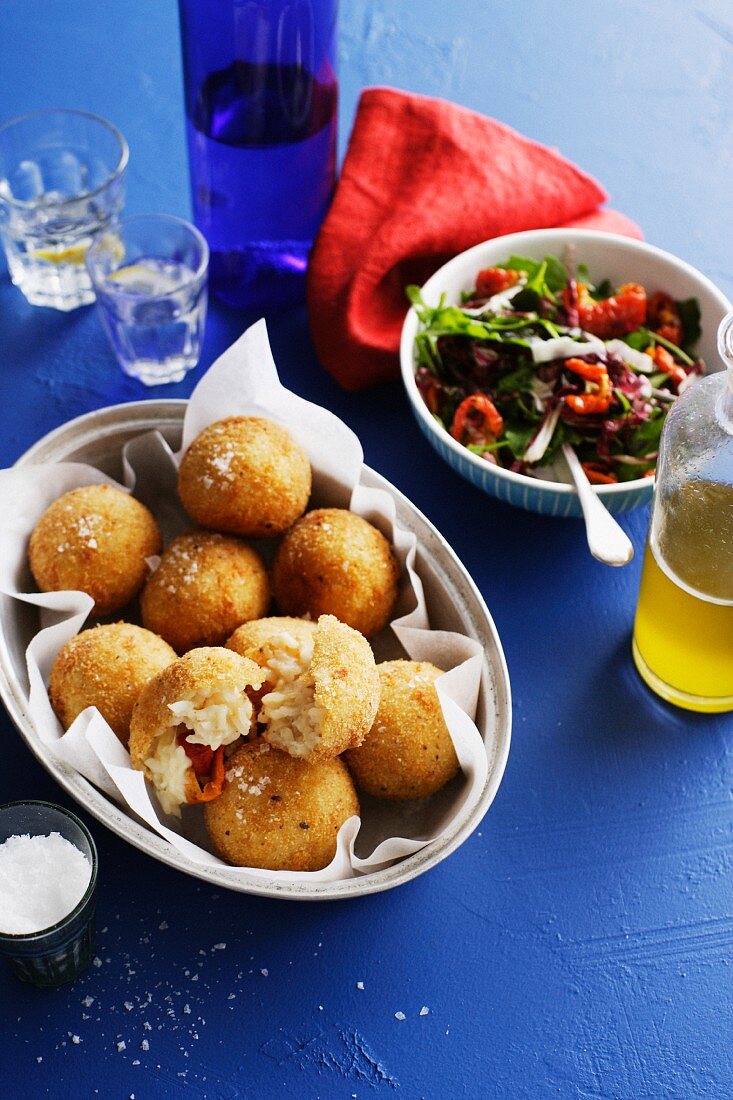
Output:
x=683 y=634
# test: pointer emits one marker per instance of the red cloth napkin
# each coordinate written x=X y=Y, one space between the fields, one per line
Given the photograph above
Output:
x=424 y=179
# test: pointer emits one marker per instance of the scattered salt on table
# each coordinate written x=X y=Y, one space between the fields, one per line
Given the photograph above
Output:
x=42 y=878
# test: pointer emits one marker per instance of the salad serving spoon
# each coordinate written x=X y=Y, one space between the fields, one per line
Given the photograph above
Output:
x=607 y=541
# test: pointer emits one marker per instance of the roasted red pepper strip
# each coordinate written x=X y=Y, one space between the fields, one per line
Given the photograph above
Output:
x=590 y=404
x=215 y=785
x=477 y=420
x=598 y=474
x=611 y=317
x=199 y=755
x=663 y=317
x=665 y=362
x=492 y=280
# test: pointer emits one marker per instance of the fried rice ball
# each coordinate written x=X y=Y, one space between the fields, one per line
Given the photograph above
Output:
x=321 y=688
x=252 y=638
x=106 y=667
x=184 y=720
x=96 y=540
x=280 y=813
x=246 y=476
x=408 y=753
x=204 y=587
x=333 y=562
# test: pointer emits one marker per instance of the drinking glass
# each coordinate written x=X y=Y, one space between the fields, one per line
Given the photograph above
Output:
x=61 y=181
x=55 y=955
x=149 y=274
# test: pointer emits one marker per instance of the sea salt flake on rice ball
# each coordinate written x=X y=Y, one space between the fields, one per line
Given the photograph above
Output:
x=106 y=667
x=95 y=539
x=408 y=753
x=278 y=812
x=334 y=562
x=205 y=586
x=245 y=475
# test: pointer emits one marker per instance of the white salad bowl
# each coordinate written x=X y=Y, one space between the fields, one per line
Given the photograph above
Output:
x=620 y=259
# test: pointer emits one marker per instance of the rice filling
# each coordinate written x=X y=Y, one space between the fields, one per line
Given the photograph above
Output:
x=168 y=766
x=214 y=718
x=289 y=710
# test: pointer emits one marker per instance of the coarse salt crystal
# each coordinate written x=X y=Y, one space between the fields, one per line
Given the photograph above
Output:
x=122 y=1045
x=145 y=1045
x=424 y=1010
x=264 y=972
x=42 y=878
x=359 y=985
x=400 y=1016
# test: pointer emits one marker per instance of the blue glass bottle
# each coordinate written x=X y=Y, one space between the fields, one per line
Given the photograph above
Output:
x=261 y=110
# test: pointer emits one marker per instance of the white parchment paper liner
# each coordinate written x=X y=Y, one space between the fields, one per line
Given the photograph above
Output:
x=244 y=381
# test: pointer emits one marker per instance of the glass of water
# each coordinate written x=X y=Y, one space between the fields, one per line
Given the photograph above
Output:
x=61 y=181
x=149 y=274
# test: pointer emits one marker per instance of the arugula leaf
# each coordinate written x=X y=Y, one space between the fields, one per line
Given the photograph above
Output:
x=640 y=339
x=604 y=289
x=550 y=272
x=626 y=472
x=689 y=312
x=544 y=279
x=563 y=433
x=414 y=296
x=482 y=448
x=518 y=438
x=522 y=263
x=517 y=381
x=557 y=276
x=645 y=437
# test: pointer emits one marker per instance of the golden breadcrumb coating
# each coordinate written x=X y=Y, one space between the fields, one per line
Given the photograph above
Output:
x=245 y=476
x=106 y=667
x=280 y=813
x=333 y=562
x=95 y=540
x=204 y=587
x=408 y=753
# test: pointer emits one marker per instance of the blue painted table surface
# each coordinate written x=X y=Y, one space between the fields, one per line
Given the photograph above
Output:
x=579 y=944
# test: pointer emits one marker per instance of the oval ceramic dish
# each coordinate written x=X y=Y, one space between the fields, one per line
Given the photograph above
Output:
x=454 y=601
x=619 y=259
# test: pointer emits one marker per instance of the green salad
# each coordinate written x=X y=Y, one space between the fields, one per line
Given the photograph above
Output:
x=535 y=357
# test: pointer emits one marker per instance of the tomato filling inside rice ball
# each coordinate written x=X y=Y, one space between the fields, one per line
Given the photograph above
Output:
x=186 y=764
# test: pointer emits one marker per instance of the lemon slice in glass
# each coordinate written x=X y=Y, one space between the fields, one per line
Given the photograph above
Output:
x=74 y=254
